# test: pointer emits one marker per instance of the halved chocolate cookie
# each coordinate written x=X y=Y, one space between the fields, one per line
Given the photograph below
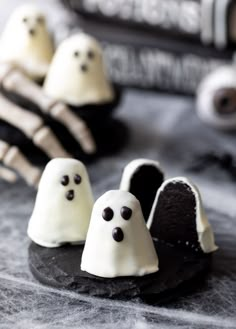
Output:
x=178 y=217
x=142 y=178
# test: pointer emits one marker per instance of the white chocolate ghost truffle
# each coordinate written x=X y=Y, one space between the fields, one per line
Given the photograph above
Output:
x=26 y=43
x=63 y=204
x=178 y=216
x=76 y=75
x=118 y=242
x=216 y=98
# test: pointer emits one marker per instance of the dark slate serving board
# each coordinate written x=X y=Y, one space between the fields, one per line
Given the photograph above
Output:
x=179 y=268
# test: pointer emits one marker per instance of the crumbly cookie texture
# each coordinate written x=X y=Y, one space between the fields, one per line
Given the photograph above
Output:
x=178 y=216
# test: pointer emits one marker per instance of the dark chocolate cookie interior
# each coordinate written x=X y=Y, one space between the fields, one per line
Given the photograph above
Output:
x=144 y=185
x=174 y=219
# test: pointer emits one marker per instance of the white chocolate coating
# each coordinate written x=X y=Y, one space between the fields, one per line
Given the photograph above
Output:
x=26 y=42
x=203 y=227
x=223 y=77
x=132 y=167
x=76 y=75
x=55 y=219
x=135 y=255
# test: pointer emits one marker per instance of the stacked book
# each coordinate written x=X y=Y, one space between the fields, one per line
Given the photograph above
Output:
x=160 y=44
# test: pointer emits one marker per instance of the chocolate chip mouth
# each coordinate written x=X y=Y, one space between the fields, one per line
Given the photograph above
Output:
x=70 y=195
x=84 y=68
x=117 y=234
x=32 y=32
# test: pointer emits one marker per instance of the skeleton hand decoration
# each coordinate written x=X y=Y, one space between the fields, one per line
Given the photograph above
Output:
x=32 y=126
x=12 y=79
x=14 y=159
x=8 y=175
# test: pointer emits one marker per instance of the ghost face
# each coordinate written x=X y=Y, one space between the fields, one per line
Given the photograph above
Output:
x=30 y=22
x=76 y=75
x=64 y=178
x=117 y=232
x=86 y=57
x=118 y=242
x=25 y=40
x=63 y=204
x=65 y=181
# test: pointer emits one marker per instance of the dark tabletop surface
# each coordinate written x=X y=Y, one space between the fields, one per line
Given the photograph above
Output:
x=163 y=127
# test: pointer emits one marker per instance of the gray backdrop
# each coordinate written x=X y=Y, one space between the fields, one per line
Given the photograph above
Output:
x=162 y=127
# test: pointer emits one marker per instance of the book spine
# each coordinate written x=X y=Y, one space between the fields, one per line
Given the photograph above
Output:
x=204 y=21
x=171 y=15
x=153 y=68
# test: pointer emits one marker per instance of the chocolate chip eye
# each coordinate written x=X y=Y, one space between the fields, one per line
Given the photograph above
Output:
x=90 y=54
x=126 y=213
x=107 y=214
x=65 y=180
x=76 y=54
x=77 y=179
x=25 y=20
